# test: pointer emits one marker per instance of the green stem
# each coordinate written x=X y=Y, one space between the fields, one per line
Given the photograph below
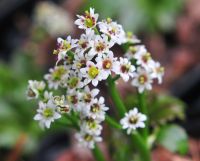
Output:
x=112 y=122
x=116 y=97
x=143 y=109
x=141 y=146
x=97 y=153
x=137 y=140
x=74 y=121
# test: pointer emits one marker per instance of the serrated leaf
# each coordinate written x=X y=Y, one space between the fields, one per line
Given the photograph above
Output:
x=174 y=138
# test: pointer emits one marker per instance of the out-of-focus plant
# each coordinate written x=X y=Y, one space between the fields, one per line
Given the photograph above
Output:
x=140 y=15
x=66 y=93
x=52 y=19
x=13 y=105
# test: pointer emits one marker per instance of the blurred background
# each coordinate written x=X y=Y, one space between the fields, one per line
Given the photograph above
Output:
x=28 y=31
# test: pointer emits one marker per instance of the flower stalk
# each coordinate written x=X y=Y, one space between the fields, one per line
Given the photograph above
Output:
x=143 y=109
x=115 y=96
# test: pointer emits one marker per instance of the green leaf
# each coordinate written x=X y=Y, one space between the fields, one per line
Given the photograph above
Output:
x=165 y=108
x=174 y=138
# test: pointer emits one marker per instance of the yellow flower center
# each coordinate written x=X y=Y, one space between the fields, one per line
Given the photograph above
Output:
x=58 y=73
x=142 y=79
x=48 y=112
x=125 y=68
x=160 y=70
x=146 y=57
x=132 y=49
x=93 y=72
x=66 y=45
x=88 y=137
x=100 y=47
x=95 y=108
x=87 y=97
x=73 y=81
x=107 y=64
x=133 y=120
x=92 y=124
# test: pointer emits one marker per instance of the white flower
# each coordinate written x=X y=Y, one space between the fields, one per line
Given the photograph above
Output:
x=87 y=140
x=34 y=89
x=133 y=50
x=84 y=41
x=91 y=73
x=100 y=45
x=125 y=69
x=133 y=120
x=144 y=59
x=46 y=114
x=63 y=46
x=131 y=38
x=72 y=81
x=56 y=75
x=91 y=126
x=96 y=109
x=88 y=95
x=47 y=96
x=113 y=30
x=158 y=72
x=87 y=21
x=73 y=99
x=80 y=60
x=107 y=63
x=143 y=80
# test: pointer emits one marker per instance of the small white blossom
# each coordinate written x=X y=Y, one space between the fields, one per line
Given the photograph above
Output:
x=46 y=114
x=87 y=21
x=133 y=120
x=73 y=99
x=96 y=109
x=125 y=69
x=91 y=73
x=107 y=63
x=80 y=60
x=131 y=38
x=143 y=80
x=87 y=140
x=84 y=41
x=158 y=72
x=100 y=45
x=113 y=30
x=47 y=96
x=63 y=46
x=144 y=59
x=34 y=88
x=88 y=95
x=133 y=50
x=91 y=126
x=72 y=81
x=56 y=75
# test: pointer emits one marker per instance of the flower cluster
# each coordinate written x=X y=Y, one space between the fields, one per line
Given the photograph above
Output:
x=82 y=63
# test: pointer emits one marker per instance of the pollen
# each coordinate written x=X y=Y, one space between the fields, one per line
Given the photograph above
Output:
x=133 y=120
x=107 y=64
x=142 y=79
x=146 y=57
x=88 y=137
x=95 y=108
x=100 y=47
x=93 y=72
x=73 y=81
x=48 y=112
